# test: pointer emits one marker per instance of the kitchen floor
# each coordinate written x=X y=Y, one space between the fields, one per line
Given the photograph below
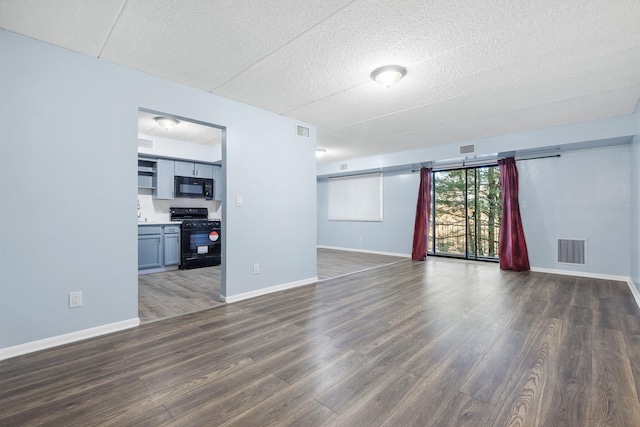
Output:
x=180 y=292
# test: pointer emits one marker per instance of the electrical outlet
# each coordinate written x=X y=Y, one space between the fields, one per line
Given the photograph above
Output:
x=256 y=268
x=75 y=299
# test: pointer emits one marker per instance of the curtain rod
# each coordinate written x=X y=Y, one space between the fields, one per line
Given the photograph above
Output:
x=478 y=163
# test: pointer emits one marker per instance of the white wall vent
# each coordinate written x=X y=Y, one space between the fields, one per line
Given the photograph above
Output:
x=145 y=143
x=572 y=251
x=302 y=131
x=343 y=167
x=468 y=149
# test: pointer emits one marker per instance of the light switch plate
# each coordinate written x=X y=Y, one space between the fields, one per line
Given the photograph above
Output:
x=238 y=201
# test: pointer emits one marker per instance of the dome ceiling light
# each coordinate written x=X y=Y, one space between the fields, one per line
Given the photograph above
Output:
x=166 y=122
x=388 y=75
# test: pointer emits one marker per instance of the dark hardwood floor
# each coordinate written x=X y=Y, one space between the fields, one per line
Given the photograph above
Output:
x=335 y=263
x=436 y=343
x=179 y=292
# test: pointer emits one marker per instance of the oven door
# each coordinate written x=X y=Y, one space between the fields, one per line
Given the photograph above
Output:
x=200 y=248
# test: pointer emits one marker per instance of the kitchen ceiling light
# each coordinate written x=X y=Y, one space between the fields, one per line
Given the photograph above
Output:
x=320 y=152
x=388 y=75
x=167 y=122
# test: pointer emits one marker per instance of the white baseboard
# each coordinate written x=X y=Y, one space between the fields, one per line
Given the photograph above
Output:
x=581 y=274
x=632 y=286
x=43 y=344
x=269 y=290
x=364 y=251
x=634 y=291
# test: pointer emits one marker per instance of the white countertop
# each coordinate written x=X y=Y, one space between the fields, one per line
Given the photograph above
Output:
x=159 y=223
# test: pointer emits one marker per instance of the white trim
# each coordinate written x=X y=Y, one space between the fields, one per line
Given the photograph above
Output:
x=628 y=280
x=43 y=344
x=634 y=291
x=581 y=274
x=269 y=290
x=364 y=251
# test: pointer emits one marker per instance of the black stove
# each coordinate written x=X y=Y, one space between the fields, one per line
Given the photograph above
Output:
x=200 y=237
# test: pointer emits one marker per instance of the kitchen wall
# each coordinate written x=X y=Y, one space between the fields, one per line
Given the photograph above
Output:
x=68 y=162
x=167 y=147
x=157 y=210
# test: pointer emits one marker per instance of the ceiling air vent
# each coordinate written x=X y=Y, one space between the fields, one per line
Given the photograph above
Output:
x=572 y=251
x=343 y=167
x=302 y=131
x=145 y=143
x=467 y=149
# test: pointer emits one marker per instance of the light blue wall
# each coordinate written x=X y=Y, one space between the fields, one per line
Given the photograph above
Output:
x=635 y=209
x=393 y=235
x=581 y=195
x=549 y=138
x=68 y=184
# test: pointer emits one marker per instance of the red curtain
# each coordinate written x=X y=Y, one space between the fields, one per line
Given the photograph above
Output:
x=513 y=247
x=421 y=227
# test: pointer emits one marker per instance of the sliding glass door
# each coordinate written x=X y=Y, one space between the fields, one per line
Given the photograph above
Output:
x=466 y=213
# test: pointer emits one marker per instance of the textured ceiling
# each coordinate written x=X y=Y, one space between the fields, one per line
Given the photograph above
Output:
x=475 y=68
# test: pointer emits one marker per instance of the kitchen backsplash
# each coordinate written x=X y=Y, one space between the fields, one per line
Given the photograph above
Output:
x=155 y=210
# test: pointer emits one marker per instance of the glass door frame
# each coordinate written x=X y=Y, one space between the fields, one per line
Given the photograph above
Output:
x=432 y=249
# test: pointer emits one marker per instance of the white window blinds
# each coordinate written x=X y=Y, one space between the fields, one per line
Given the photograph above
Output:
x=356 y=198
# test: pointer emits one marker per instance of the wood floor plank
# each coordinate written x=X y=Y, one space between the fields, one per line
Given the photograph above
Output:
x=464 y=411
x=428 y=399
x=631 y=333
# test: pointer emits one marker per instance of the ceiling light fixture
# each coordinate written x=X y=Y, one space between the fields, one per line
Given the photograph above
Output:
x=388 y=75
x=167 y=122
x=320 y=152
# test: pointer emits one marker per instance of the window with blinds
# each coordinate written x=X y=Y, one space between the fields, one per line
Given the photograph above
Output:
x=356 y=198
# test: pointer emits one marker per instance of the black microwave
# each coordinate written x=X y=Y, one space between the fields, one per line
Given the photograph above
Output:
x=199 y=188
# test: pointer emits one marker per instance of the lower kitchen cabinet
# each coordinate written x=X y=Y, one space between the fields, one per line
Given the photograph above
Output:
x=171 y=245
x=149 y=251
x=158 y=246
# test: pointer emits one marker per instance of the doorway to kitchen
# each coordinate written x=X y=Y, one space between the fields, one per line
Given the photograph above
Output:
x=180 y=168
x=466 y=212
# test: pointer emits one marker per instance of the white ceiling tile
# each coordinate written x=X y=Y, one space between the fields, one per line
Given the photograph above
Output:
x=474 y=68
x=202 y=43
x=75 y=24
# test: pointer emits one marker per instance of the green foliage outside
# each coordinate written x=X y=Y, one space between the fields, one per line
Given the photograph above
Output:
x=468 y=206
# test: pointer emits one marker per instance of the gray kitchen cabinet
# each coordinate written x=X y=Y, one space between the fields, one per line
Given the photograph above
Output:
x=158 y=245
x=164 y=179
x=171 y=245
x=218 y=178
x=150 y=249
x=200 y=170
x=203 y=170
x=146 y=173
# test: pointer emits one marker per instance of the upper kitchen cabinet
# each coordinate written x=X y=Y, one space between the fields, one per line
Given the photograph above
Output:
x=199 y=170
x=217 y=183
x=146 y=173
x=164 y=179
